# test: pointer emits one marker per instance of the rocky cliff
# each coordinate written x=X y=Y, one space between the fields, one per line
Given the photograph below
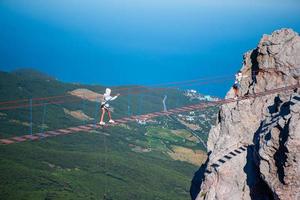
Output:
x=254 y=149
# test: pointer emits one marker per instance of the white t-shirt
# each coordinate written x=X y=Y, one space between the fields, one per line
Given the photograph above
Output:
x=107 y=98
x=238 y=77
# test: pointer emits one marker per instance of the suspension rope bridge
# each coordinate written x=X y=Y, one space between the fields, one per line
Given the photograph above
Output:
x=217 y=161
x=88 y=127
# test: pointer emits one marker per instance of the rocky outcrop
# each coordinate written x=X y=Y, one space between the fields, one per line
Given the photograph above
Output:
x=255 y=145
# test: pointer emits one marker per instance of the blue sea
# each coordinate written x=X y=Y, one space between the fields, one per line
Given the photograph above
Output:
x=117 y=42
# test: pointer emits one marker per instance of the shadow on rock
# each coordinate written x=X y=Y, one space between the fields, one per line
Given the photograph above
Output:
x=198 y=179
x=259 y=190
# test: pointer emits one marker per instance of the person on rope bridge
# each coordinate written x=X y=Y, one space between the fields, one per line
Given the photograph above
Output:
x=237 y=83
x=105 y=106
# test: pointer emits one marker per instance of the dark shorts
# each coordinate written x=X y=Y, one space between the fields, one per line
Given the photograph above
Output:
x=236 y=86
x=104 y=107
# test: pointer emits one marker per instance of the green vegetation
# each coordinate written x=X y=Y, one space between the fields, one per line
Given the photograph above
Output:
x=108 y=162
x=63 y=168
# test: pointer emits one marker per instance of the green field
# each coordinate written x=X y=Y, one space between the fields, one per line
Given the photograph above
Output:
x=121 y=162
x=85 y=165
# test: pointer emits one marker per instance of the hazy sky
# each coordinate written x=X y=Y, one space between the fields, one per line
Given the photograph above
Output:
x=137 y=41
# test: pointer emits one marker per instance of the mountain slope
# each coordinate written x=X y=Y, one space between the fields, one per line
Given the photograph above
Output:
x=155 y=160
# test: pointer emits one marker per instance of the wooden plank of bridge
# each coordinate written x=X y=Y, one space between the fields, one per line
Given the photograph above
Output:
x=65 y=131
x=7 y=141
x=53 y=133
x=31 y=137
x=75 y=129
x=85 y=127
x=43 y=135
x=121 y=121
x=19 y=139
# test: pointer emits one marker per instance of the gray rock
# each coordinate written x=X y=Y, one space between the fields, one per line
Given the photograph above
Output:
x=268 y=125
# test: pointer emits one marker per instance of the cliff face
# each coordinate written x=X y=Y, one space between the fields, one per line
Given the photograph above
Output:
x=255 y=145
